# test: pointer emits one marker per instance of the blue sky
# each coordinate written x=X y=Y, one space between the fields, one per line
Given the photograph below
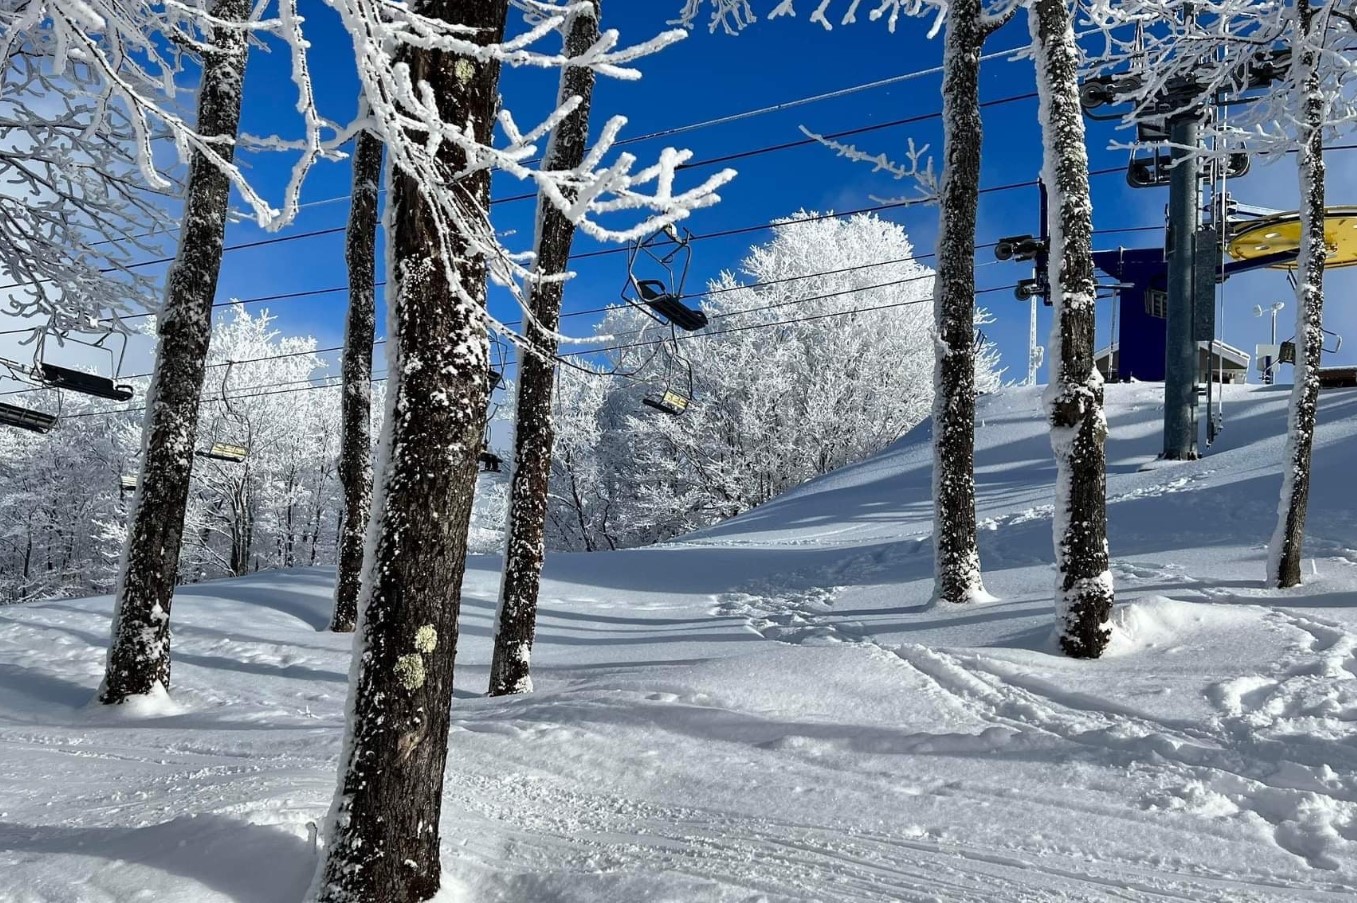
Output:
x=711 y=75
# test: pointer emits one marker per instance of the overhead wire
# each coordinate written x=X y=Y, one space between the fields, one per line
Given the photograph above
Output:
x=688 y=295
x=311 y=386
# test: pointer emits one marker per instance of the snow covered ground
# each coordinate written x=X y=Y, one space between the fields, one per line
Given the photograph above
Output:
x=768 y=710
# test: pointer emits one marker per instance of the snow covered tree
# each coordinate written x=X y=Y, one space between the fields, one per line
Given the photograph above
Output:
x=1074 y=399
x=431 y=76
x=525 y=547
x=269 y=509
x=967 y=24
x=138 y=658
x=1293 y=61
x=584 y=477
x=76 y=209
x=60 y=498
x=1314 y=105
x=822 y=359
x=821 y=356
x=63 y=497
x=956 y=550
x=360 y=331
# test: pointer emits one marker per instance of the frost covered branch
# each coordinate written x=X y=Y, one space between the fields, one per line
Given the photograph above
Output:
x=405 y=114
x=916 y=167
x=733 y=16
x=1168 y=62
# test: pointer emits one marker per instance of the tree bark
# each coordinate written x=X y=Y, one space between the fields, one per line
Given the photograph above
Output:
x=1084 y=592
x=525 y=547
x=360 y=332
x=383 y=831
x=956 y=554
x=1284 y=552
x=139 y=654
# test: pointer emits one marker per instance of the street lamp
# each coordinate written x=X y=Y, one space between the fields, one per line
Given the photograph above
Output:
x=1270 y=361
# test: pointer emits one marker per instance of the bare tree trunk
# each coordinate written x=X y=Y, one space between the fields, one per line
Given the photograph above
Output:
x=242 y=528
x=525 y=547
x=139 y=655
x=360 y=331
x=1284 y=551
x=383 y=831
x=1084 y=592
x=956 y=554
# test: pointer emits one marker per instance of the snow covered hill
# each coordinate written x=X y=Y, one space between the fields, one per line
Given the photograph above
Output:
x=768 y=710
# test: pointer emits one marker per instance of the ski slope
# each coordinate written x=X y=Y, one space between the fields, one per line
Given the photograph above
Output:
x=769 y=710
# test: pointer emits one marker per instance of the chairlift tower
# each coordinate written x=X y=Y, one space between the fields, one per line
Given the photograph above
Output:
x=1179 y=110
x=1180 y=360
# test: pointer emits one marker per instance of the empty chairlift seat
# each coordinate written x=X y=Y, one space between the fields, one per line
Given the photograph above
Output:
x=26 y=419
x=670 y=402
x=1337 y=377
x=226 y=451
x=653 y=293
x=85 y=383
x=491 y=462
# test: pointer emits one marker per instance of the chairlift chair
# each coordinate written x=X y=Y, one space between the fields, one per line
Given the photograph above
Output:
x=667 y=402
x=230 y=452
x=58 y=377
x=652 y=292
x=490 y=462
x=221 y=450
x=26 y=419
x=668 y=251
x=127 y=483
x=673 y=400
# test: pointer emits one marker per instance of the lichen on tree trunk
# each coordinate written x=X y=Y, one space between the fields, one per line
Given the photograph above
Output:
x=139 y=653
x=1084 y=593
x=360 y=328
x=525 y=546
x=382 y=843
x=1284 y=552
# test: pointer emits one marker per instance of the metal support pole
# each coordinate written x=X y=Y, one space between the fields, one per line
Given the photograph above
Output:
x=1180 y=362
x=1033 y=354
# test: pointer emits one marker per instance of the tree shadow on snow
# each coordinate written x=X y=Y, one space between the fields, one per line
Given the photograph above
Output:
x=311 y=603
x=43 y=688
x=246 y=862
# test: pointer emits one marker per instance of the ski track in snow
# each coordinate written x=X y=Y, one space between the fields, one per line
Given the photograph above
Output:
x=768 y=710
x=1266 y=757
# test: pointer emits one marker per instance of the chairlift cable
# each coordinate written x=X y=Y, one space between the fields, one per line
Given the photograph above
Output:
x=856 y=267
x=603 y=252
x=685 y=336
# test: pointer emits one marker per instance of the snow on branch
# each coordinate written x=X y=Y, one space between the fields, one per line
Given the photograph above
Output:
x=733 y=16
x=597 y=196
x=917 y=167
x=1169 y=56
x=94 y=93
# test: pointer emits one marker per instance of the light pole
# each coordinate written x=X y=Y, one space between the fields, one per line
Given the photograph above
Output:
x=1271 y=361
